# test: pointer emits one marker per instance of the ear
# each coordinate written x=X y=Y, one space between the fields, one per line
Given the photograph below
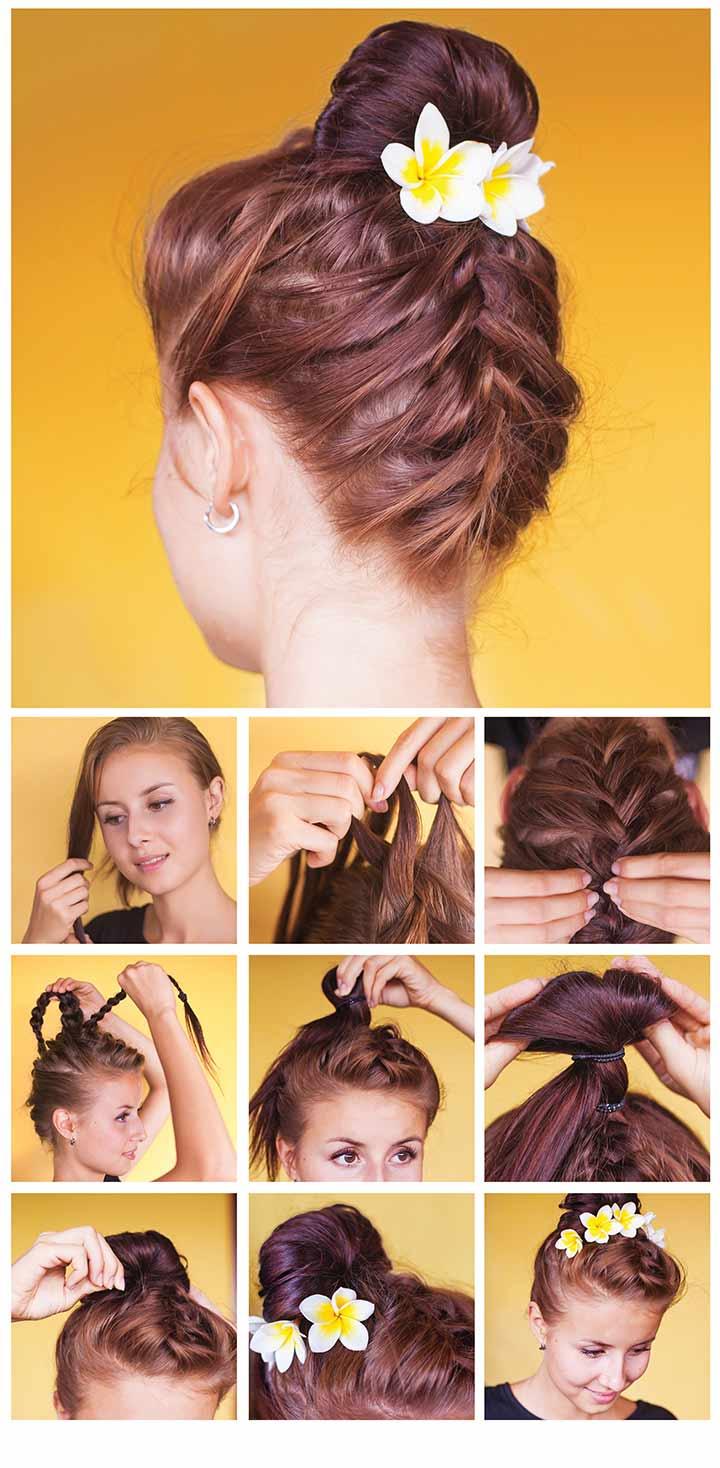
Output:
x=64 y=1122
x=514 y=779
x=537 y=1323
x=60 y=1411
x=224 y=454
x=697 y=804
x=286 y=1154
x=215 y=798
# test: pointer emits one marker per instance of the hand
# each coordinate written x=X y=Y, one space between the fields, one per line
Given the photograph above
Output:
x=89 y=998
x=149 y=987
x=437 y=757
x=61 y=896
x=670 y=891
x=396 y=980
x=677 y=1049
x=39 y=1284
x=305 y=802
x=499 y=1053
x=536 y=907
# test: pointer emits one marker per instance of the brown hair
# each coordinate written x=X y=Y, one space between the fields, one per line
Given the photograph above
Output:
x=419 y=1359
x=385 y=889
x=340 y=1051
x=153 y=1328
x=595 y=790
x=67 y=1067
x=585 y=1124
x=629 y=1269
x=126 y=733
x=413 y=369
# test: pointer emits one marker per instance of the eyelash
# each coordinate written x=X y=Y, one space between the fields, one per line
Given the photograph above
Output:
x=593 y=1355
x=125 y=1116
x=154 y=805
x=348 y=1152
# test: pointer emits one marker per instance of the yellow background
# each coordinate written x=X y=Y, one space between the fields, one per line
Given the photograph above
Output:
x=140 y=100
x=515 y=1226
x=46 y=760
x=431 y=1233
x=524 y=1076
x=202 y=1228
x=270 y=736
x=209 y=983
x=285 y=993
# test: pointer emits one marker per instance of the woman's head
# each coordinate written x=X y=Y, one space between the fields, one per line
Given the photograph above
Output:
x=591 y=791
x=345 y=1100
x=86 y=1091
x=385 y=885
x=419 y=1359
x=585 y=1124
x=152 y=1351
x=328 y=364
x=157 y=791
x=596 y=1314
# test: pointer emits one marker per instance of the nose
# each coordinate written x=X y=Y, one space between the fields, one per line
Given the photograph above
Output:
x=135 y=830
x=139 y=1133
x=613 y=1378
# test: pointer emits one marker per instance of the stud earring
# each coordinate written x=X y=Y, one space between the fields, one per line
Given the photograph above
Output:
x=212 y=823
x=72 y=1141
x=229 y=523
x=542 y=1346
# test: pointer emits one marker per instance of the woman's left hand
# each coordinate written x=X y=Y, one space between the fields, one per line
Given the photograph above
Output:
x=88 y=997
x=149 y=987
x=669 y=891
x=396 y=980
x=499 y=1053
x=677 y=1049
x=436 y=757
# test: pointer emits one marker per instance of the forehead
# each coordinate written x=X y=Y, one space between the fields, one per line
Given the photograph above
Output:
x=121 y=1090
x=616 y=1322
x=145 y=1397
x=366 y=1116
x=130 y=771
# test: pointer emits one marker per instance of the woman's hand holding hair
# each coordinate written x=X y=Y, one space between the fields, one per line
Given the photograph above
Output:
x=88 y=997
x=61 y=896
x=669 y=891
x=536 y=907
x=678 y=1049
x=436 y=757
x=149 y=987
x=402 y=982
x=305 y=802
x=499 y=1053
x=40 y=1286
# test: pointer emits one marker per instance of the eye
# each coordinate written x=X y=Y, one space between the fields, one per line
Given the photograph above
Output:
x=124 y=1115
x=160 y=804
x=111 y=820
x=404 y=1155
x=592 y=1354
x=348 y=1158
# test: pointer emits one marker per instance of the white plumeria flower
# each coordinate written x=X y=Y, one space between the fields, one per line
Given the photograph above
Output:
x=468 y=181
x=570 y=1241
x=277 y=1341
x=337 y=1319
x=626 y=1220
x=655 y=1235
x=598 y=1226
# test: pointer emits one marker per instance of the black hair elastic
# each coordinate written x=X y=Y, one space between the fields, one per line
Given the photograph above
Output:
x=342 y=1001
x=593 y=1055
x=610 y=1105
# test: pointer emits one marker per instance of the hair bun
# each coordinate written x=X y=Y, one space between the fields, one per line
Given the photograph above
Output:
x=355 y=1000
x=316 y=1253
x=150 y=1262
x=576 y=1203
x=380 y=91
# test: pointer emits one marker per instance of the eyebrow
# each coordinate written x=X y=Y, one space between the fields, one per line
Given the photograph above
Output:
x=348 y=1141
x=607 y=1346
x=164 y=785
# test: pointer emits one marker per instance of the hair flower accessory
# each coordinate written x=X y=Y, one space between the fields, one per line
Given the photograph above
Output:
x=467 y=181
x=598 y=1226
x=277 y=1341
x=570 y=1241
x=337 y=1319
x=626 y=1220
x=655 y=1235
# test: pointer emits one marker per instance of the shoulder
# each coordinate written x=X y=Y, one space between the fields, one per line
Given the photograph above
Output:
x=123 y=924
x=501 y=1402
x=647 y=1410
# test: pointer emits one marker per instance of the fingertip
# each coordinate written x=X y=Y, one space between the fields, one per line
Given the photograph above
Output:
x=378 y=791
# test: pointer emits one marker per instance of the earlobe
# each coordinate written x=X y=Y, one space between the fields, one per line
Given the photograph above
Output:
x=216 y=799
x=64 y=1124
x=60 y=1411
x=286 y=1157
x=537 y=1324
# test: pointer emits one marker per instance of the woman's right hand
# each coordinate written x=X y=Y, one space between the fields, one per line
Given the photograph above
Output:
x=536 y=907
x=678 y=1048
x=499 y=1053
x=88 y=997
x=394 y=979
x=61 y=896
x=40 y=1286
x=149 y=987
x=305 y=802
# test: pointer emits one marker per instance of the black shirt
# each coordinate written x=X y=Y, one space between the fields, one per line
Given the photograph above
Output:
x=501 y=1402
x=124 y=925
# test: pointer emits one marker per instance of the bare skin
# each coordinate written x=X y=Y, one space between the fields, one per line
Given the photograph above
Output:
x=592 y=1354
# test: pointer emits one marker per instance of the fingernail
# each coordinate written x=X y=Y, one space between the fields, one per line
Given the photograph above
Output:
x=611 y=888
x=593 y=898
x=378 y=790
x=616 y=868
x=586 y=879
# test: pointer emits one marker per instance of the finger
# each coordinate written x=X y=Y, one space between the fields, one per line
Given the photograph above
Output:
x=324 y=783
x=340 y=763
x=500 y=1003
x=65 y=869
x=324 y=810
x=673 y=1051
x=636 y=963
x=348 y=971
x=443 y=759
x=501 y=882
x=663 y=891
x=401 y=754
x=554 y=932
x=683 y=922
x=541 y=909
x=452 y=768
x=320 y=846
x=690 y=1004
x=692 y=864
x=498 y=1054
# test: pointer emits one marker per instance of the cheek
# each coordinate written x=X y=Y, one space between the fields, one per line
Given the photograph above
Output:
x=636 y=1367
x=572 y=1368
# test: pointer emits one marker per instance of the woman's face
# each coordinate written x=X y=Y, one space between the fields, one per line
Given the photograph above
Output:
x=598 y=1348
x=109 y=1133
x=154 y=816
x=366 y=1136
x=125 y=1397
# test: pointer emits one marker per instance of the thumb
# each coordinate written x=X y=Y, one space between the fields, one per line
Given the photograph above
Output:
x=498 y=1054
x=672 y=1049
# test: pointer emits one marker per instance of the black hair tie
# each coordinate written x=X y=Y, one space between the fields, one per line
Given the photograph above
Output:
x=610 y=1105
x=593 y=1055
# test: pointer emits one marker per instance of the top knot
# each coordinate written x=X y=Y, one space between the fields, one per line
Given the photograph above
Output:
x=150 y=1262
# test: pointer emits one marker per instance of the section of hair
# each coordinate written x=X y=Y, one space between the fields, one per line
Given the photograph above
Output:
x=419 y=1362
x=623 y=1269
x=385 y=888
x=69 y=1067
x=153 y=1328
x=414 y=370
x=126 y=733
x=339 y=1052
x=596 y=790
x=559 y=1134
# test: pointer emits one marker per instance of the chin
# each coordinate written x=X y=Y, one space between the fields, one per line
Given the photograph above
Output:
x=239 y=653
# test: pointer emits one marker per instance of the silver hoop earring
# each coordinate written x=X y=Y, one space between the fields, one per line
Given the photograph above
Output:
x=229 y=524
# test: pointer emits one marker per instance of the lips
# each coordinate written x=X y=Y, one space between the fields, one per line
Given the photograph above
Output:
x=131 y=1155
x=604 y=1397
x=151 y=863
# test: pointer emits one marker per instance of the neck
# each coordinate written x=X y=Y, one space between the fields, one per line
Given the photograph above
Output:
x=357 y=647
x=197 y=912
x=67 y=1168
